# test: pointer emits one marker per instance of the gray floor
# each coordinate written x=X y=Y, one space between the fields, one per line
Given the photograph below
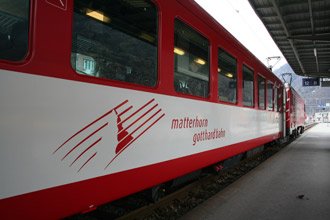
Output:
x=272 y=190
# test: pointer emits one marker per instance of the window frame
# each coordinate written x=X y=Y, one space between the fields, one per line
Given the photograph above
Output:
x=27 y=51
x=123 y=83
x=253 y=86
x=209 y=58
x=275 y=91
x=237 y=78
x=264 y=93
x=280 y=99
x=272 y=98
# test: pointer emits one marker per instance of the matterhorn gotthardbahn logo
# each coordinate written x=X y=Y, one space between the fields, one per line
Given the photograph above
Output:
x=109 y=135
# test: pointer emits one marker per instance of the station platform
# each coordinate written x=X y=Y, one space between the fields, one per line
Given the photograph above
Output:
x=293 y=184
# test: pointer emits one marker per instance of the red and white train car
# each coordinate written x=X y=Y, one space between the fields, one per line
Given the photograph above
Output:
x=104 y=98
x=295 y=112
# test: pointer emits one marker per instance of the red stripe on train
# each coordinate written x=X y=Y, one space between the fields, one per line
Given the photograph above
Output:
x=66 y=200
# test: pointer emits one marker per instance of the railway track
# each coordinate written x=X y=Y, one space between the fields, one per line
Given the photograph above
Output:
x=179 y=202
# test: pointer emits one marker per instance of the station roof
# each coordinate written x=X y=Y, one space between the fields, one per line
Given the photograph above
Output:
x=301 y=30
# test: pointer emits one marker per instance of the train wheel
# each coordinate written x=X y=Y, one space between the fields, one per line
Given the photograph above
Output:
x=157 y=192
x=302 y=129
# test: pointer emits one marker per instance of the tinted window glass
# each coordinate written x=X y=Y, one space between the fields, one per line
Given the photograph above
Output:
x=191 y=54
x=14 y=29
x=279 y=99
x=116 y=40
x=270 y=102
x=275 y=99
x=261 y=93
x=227 y=77
x=248 y=82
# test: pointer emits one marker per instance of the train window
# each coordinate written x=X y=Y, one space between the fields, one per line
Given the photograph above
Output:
x=227 y=77
x=279 y=99
x=248 y=86
x=275 y=99
x=191 y=70
x=261 y=92
x=116 y=40
x=270 y=100
x=14 y=29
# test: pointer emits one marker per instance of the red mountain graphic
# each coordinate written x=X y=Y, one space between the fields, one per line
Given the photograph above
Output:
x=123 y=136
x=86 y=144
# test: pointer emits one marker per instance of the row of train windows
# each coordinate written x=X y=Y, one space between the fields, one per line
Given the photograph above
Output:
x=117 y=40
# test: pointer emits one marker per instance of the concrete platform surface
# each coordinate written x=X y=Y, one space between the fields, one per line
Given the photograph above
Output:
x=293 y=184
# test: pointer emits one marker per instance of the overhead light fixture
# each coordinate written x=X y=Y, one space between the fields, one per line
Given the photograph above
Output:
x=179 y=51
x=229 y=75
x=200 y=61
x=315 y=52
x=98 y=15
